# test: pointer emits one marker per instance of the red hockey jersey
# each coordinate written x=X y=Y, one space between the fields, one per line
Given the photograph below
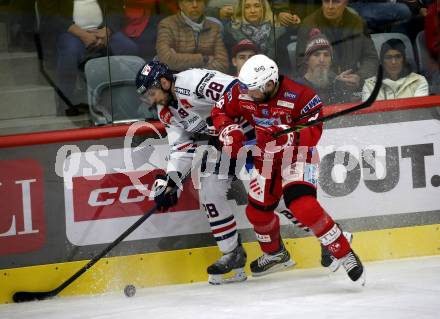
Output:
x=292 y=104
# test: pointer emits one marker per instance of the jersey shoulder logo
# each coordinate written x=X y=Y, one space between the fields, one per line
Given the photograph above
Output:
x=314 y=102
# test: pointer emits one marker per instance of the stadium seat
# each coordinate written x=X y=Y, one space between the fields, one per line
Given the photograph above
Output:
x=380 y=38
x=423 y=57
x=112 y=96
x=291 y=50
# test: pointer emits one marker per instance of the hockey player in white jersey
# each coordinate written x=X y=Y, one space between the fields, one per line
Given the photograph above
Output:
x=184 y=102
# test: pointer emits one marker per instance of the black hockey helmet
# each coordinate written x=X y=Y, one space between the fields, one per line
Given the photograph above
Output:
x=150 y=74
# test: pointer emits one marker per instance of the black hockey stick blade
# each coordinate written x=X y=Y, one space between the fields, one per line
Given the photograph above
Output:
x=360 y=106
x=24 y=296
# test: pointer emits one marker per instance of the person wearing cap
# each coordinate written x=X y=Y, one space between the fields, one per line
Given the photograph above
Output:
x=399 y=81
x=241 y=52
x=354 y=56
x=318 y=74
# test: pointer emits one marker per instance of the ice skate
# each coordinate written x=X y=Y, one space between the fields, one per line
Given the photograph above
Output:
x=327 y=259
x=229 y=268
x=354 y=268
x=269 y=263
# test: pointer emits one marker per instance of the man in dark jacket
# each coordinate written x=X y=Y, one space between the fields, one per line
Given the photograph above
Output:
x=75 y=31
x=381 y=14
x=354 y=54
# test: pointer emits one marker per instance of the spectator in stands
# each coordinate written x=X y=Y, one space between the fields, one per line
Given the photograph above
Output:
x=319 y=76
x=354 y=56
x=380 y=15
x=415 y=24
x=432 y=35
x=286 y=10
x=399 y=81
x=221 y=9
x=241 y=52
x=253 y=20
x=81 y=29
x=189 y=40
x=432 y=29
x=141 y=20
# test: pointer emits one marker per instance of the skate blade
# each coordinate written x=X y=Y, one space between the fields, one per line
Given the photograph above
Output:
x=362 y=279
x=236 y=275
x=279 y=267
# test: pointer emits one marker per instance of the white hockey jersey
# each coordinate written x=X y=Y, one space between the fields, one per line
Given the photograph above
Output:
x=197 y=91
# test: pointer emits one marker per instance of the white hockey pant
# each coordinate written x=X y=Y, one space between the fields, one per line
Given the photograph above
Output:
x=219 y=211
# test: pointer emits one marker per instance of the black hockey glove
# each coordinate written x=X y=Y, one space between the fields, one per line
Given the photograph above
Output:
x=165 y=191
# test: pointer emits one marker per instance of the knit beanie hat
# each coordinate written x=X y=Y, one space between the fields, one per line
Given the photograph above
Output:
x=317 y=41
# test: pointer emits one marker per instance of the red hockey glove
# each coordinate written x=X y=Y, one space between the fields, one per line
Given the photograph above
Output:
x=270 y=144
x=232 y=136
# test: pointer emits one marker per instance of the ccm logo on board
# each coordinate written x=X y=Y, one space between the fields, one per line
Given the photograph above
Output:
x=114 y=196
x=22 y=223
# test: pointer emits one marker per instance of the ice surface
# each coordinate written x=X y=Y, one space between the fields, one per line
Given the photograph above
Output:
x=405 y=288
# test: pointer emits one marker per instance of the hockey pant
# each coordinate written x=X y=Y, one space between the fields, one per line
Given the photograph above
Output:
x=298 y=189
x=219 y=211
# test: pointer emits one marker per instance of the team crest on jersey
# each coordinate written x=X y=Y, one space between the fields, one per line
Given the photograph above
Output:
x=315 y=101
x=146 y=70
x=182 y=91
x=265 y=112
x=282 y=113
x=290 y=95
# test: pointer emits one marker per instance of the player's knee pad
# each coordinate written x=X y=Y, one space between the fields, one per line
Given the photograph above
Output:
x=309 y=212
x=293 y=191
x=213 y=189
x=263 y=221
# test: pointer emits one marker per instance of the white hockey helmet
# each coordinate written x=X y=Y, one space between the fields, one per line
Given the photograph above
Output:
x=257 y=71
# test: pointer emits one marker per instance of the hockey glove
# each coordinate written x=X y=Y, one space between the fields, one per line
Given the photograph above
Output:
x=270 y=144
x=232 y=136
x=165 y=192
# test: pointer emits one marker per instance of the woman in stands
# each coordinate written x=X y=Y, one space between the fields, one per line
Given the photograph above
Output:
x=254 y=20
x=399 y=81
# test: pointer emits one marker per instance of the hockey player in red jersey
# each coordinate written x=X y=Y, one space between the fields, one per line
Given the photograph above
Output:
x=287 y=166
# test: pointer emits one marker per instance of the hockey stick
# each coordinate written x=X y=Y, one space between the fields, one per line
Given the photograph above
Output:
x=23 y=296
x=363 y=105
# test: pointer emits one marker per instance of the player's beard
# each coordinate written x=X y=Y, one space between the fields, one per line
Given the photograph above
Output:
x=319 y=77
x=168 y=99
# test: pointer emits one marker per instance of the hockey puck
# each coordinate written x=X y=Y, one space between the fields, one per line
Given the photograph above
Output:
x=130 y=290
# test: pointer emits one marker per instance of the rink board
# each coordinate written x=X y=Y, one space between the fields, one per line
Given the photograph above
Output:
x=189 y=265
x=65 y=196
